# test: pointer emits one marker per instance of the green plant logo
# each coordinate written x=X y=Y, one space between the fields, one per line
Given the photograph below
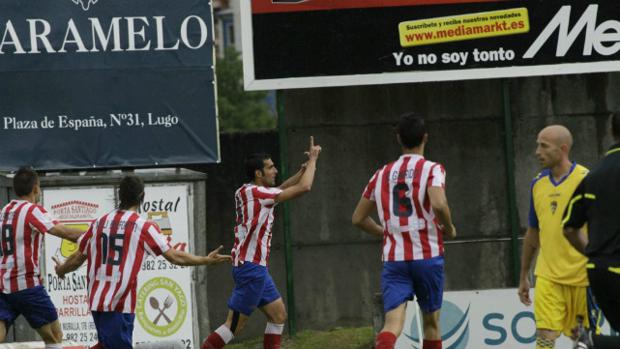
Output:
x=161 y=307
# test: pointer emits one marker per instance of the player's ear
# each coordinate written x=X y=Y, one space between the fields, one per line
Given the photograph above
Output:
x=258 y=173
x=425 y=138
x=398 y=139
x=141 y=198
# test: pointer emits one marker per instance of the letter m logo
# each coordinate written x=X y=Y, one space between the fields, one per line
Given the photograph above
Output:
x=85 y=3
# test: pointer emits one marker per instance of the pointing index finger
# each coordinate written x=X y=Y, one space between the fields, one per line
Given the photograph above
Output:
x=311 y=141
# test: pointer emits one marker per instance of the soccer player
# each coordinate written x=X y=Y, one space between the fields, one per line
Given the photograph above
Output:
x=561 y=280
x=597 y=203
x=23 y=224
x=409 y=196
x=254 y=287
x=115 y=246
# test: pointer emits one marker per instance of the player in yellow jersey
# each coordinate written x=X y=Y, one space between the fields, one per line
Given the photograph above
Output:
x=561 y=279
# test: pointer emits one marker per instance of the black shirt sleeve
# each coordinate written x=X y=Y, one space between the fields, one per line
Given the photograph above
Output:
x=575 y=215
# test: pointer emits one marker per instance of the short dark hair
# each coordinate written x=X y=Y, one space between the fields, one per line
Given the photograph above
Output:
x=411 y=130
x=255 y=162
x=130 y=191
x=24 y=181
x=615 y=125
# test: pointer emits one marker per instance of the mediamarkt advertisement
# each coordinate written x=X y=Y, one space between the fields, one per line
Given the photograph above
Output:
x=355 y=42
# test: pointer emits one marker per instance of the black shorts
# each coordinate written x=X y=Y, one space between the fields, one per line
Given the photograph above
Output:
x=605 y=285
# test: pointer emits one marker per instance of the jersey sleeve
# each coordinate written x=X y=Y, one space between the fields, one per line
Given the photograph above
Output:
x=369 y=191
x=85 y=239
x=266 y=196
x=532 y=218
x=575 y=215
x=41 y=220
x=437 y=177
x=154 y=241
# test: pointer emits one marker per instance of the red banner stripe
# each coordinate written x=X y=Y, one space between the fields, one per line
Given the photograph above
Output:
x=269 y=6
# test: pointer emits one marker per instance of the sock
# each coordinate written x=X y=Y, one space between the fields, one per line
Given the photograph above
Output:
x=53 y=346
x=218 y=339
x=273 y=336
x=431 y=344
x=385 y=340
x=544 y=343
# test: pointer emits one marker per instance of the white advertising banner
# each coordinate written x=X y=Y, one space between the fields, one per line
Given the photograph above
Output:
x=481 y=320
x=164 y=303
x=76 y=208
x=164 y=296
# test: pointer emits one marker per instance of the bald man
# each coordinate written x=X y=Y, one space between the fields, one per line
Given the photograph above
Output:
x=561 y=279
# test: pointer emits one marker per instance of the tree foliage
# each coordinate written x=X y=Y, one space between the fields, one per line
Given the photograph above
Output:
x=239 y=110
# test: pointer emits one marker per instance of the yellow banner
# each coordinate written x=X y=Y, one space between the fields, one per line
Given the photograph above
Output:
x=464 y=27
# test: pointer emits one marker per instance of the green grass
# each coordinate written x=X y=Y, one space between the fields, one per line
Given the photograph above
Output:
x=339 y=338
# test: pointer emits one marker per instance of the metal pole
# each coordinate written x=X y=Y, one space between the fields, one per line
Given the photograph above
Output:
x=288 y=253
x=510 y=182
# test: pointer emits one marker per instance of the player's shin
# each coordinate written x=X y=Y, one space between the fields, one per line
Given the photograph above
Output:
x=385 y=340
x=431 y=344
x=273 y=336
x=218 y=339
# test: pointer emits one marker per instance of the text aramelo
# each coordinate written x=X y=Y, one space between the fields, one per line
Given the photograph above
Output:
x=120 y=34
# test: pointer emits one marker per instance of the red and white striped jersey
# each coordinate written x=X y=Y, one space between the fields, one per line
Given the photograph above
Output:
x=254 y=206
x=22 y=225
x=410 y=230
x=115 y=245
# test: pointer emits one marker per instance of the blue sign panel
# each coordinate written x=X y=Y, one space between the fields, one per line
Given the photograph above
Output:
x=107 y=84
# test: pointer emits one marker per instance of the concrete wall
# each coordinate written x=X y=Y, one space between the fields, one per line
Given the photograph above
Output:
x=337 y=267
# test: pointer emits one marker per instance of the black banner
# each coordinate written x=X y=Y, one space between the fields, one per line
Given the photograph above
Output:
x=106 y=84
x=356 y=42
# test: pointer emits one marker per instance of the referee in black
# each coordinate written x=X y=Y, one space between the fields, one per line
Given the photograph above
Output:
x=596 y=201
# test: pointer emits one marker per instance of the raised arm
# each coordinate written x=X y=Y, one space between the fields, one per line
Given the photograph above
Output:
x=306 y=180
x=294 y=179
x=439 y=203
x=187 y=259
x=361 y=217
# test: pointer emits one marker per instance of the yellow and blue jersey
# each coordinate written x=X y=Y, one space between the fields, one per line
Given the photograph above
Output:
x=557 y=260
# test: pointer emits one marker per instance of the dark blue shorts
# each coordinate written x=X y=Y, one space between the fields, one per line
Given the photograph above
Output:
x=34 y=304
x=254 y=288
x=115 y=330
x=401 y=281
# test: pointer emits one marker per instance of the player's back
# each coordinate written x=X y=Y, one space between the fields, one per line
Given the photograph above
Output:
x=400 y=192
x=115 y=245
x=22 y=225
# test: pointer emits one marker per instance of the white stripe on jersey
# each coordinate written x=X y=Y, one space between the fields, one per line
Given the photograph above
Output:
x=112 y=287
x=22 y=225
x=410 y=233
x=250 y=246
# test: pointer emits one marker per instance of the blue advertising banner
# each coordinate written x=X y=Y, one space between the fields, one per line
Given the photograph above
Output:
x=107 y=84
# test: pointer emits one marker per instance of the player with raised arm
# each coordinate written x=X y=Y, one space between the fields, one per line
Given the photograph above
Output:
x=115 y=246
x=409 y=196
x=23 y=224
x=254 y=287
